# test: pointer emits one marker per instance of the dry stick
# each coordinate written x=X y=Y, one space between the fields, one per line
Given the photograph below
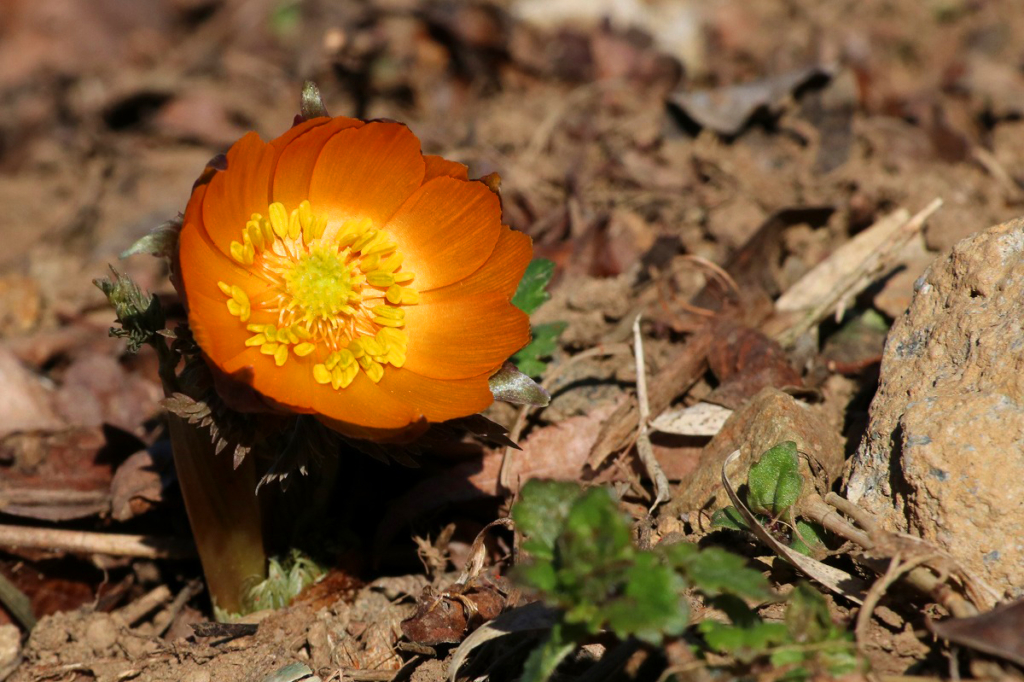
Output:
x=134 y=612
x=681 y=372
x=549 y=381
x=920 y=577
x=81 y=542
x=858 y=280
x=163 y=620
x=643 y=440
x=897 y=568
x=861 y=516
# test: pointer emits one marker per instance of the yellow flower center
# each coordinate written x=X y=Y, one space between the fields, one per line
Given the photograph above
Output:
x=337 y=299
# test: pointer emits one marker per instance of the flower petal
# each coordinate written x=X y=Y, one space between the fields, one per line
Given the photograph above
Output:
x=362 y=403
x=365 y=172
x=438 y=167
x=439 y=399
x=221 y=335
x=233 y=195
x=500 y=274
x=298 y=156
x=446 y=230
x=405 y=434
x=464 y=337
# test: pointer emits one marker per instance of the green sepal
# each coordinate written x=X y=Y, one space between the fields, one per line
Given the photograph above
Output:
x=512 y=386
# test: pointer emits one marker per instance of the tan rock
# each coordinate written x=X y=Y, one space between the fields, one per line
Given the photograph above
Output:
x=769 y=418
x=943 y=457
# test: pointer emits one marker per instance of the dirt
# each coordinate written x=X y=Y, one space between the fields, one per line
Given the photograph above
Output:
x=112 y=108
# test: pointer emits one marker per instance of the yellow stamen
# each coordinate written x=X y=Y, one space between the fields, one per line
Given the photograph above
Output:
x=389 y=312
x=321 y=374
x=392 y=263
x=398 y=294
x=333 y=299
x=379 y=278
x=375 y=371
x=255 y=234
x=278 y=219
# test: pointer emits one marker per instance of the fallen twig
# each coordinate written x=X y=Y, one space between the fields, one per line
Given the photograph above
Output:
x=680 y=372
x=82 y=542
x=897 y=569
x=134 y=612
x=643 y=440
x=163 y=620
x=850 y=270
x=930 y=580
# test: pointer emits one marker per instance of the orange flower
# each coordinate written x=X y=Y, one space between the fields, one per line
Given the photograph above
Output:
x=340 y=272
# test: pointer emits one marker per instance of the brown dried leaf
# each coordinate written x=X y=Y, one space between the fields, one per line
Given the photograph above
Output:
x=61 y=476
x=447 y=617
x=999 y=632
x=24 y=403
x=746 y=361
x=139 y=483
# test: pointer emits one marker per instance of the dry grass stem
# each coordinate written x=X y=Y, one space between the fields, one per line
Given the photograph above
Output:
x=82 y=542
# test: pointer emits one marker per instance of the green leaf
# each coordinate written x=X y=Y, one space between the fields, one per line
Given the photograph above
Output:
x=715 y=571
x=818 y=642
x=541 y=511
x=651 y=605
x=806 y=533
x=140 y=315
x=729 y=518
x=775 y=481
x=745 y=643
x=543 y=660
x=532 y=291
x=807 y=616
x=531 y=359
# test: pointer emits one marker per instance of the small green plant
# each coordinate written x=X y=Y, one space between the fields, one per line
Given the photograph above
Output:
x=532 y=292
x=774 y=484
x=584 y=563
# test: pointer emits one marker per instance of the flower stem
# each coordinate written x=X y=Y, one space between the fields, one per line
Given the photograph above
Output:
x=221 y=503
x=224 y=515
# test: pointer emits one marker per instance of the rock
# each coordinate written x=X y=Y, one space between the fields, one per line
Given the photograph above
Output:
x=942 y=457
x=10 y=649
x=197 y=675
x=769 y=418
